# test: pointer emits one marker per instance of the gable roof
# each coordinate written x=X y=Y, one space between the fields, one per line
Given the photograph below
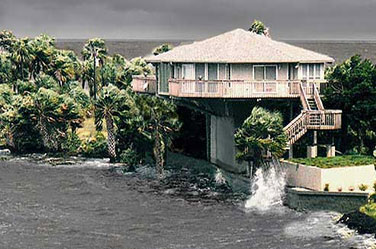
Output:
x=240 y=46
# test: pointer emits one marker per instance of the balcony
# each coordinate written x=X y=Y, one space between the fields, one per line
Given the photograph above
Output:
x=144 y=84
x=237 y=88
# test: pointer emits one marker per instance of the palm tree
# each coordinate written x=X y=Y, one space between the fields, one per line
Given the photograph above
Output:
x=160 y=122
x=94 y=49
x=43 y=49
x=21 y=56
x=107 y=107
x=259 y=28
x=65 y=66
x=5 y=68
x=7 y=40
x=54 y=113
x=261 y=132
x=162 y=49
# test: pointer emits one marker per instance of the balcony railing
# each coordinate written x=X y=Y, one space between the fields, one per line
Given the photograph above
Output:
x=144 y=84
x=237 y=88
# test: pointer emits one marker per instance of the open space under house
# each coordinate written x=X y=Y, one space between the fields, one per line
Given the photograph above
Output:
x=225 y=75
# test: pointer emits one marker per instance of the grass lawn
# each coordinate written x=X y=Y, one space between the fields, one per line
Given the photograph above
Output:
x=88 y=129
x=335 y=162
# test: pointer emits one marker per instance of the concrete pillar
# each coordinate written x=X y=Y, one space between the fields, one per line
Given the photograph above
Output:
x=291 y=151
x=208 y=144
x=330 y=150
x=312 y=150
x=222 y=144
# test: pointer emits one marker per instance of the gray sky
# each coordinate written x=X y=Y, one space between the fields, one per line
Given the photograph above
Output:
x=189 y=19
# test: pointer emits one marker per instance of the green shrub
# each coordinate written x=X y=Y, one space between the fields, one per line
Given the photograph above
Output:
x=372 y=198
x=95 y=146
x=129 y=157
x=363 y=187
x=338 y=161
x=72 y=144
x=369 y=209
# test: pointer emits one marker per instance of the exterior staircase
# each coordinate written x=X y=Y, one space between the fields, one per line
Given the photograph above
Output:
x=313 y=117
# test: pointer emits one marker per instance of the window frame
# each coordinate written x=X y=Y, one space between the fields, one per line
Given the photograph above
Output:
x=314 y=75
x=264 y=66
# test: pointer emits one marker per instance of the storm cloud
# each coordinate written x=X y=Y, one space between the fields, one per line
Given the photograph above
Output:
x=189 y=19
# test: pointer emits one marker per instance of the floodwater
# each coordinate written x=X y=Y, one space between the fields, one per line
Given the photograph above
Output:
x=85 y=207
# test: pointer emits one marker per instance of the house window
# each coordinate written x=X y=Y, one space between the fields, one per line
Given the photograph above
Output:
x=188 y=71
x=177 y=71
x=311 y=71
x=304 y=71
x=200 y=71
x=293 y=72
x=317 y=71
x=265 y=72
x=212 y=71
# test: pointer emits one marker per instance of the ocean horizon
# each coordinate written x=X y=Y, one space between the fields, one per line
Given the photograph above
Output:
x=340 y=50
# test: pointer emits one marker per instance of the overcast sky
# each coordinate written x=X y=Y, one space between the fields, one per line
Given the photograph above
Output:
x=189 y=19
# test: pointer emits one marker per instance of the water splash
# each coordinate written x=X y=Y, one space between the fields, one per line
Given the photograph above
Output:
x=268 y=188
x=219 y=178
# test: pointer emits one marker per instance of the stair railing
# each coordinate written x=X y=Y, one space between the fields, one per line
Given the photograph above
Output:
x=303 y=97
x=316 y=96
x=296 y=128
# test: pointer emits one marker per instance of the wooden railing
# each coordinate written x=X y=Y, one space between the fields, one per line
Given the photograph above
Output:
x=316 y=96
x=303 y=96
x=324 y=119
x=144 y=84
x=296 y=128
x=237 y=88
x=314 y=120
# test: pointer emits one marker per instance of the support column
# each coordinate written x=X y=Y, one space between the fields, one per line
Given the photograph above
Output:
x=291 y=151
x=208 y=143
x=222 y=144
x=312 y=150
x=330 y=150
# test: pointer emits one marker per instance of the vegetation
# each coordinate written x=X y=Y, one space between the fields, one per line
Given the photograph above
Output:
x=363 y=187
x=162 y=49
x=259 y=28
x=44 y=102
x=369 y=209
x=352 y=88
x=334 y=162
x=260 y=133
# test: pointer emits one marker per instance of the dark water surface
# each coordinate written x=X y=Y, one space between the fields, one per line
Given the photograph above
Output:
x=76 y=207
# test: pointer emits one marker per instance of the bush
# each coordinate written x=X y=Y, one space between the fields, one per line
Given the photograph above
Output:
x=72 y=143
x=372 y=198
x=334 y=162
x=363 y=187
x=95 y=146
x=129 y=157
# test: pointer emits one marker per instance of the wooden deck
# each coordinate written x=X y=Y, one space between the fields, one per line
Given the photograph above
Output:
x=225 y=88
x=144 y=84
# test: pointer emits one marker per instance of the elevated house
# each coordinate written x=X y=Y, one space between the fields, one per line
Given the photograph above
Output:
x=218 y=74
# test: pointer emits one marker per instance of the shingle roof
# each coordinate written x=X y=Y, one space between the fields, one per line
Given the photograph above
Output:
x=239 y=46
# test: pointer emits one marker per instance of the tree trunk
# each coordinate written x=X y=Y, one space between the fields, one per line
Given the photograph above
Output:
x=95 y=83
x=50 y=141
x=250 y=169
x=9 y=139
x=111 y=143
x=159 y=153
